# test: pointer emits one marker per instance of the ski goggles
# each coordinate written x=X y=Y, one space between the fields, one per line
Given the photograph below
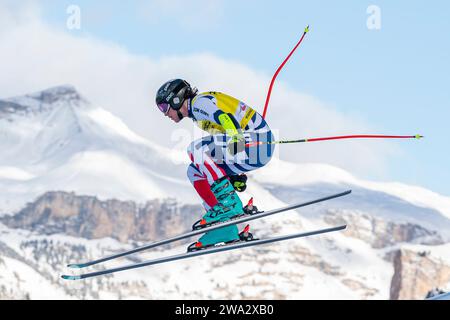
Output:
x=164 y=107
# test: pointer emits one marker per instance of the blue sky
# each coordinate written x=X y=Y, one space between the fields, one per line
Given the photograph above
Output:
x=395 y=78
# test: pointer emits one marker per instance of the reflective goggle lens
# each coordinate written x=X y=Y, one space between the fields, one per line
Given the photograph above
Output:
x=164 y=107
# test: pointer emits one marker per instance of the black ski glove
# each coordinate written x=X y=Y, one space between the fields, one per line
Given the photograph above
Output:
x=239 y=182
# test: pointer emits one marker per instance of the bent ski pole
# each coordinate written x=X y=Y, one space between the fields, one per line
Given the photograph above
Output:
x=279 y=69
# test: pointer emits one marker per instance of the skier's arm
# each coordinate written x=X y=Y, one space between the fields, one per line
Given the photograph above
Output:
x=204 y=109
x=230 y=124
x=232 y=128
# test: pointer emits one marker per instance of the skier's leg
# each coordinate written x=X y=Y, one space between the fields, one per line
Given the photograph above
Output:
x=252 y=159
x=199 y=153
x=213 y=163
x=209 y=179
x=211 y=183
x=201 y=185
x=207 y=155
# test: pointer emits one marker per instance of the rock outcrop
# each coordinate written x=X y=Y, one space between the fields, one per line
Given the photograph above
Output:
x=91 y=218
x=382 y=233
x=415 y=273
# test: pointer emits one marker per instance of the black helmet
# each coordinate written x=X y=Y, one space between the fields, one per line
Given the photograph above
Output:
x=173 y=93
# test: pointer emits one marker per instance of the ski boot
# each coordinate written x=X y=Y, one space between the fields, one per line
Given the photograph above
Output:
x=229 y=206
x=214 y=239
x=249 y=209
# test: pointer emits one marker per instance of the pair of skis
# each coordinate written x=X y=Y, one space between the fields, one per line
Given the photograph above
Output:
x=205 y=251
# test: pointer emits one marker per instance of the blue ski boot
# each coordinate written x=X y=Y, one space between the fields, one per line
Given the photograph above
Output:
x=229 y=206
x=214 y=240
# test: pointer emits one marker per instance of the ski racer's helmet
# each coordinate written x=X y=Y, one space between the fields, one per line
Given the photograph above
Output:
x=173 y=93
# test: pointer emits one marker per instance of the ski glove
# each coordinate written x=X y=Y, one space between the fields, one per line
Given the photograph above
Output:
x=239 y=182
x=236 y=144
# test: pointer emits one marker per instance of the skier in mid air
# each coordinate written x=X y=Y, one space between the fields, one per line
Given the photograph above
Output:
x=240 y=141
x=220 y=160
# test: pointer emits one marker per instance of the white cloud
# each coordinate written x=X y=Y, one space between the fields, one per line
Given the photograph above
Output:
x=33 y=57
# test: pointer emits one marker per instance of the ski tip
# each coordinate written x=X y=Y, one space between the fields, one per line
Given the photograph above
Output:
x=66 y=277
x=307 y=29
x=418 y=136
x=75 y=266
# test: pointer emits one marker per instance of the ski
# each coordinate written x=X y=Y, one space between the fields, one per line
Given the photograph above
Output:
x=202 y=252
x=213 y=227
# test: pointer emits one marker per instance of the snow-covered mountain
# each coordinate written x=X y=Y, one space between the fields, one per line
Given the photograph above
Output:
x=56 y=140
x=396 y=244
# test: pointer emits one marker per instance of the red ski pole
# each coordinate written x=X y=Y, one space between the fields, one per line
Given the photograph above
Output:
x=279 y=69
x=417 y=136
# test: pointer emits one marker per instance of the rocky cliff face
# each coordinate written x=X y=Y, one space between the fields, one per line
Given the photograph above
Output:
x=88 y=217
x=380 y=233
x=415 y=273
